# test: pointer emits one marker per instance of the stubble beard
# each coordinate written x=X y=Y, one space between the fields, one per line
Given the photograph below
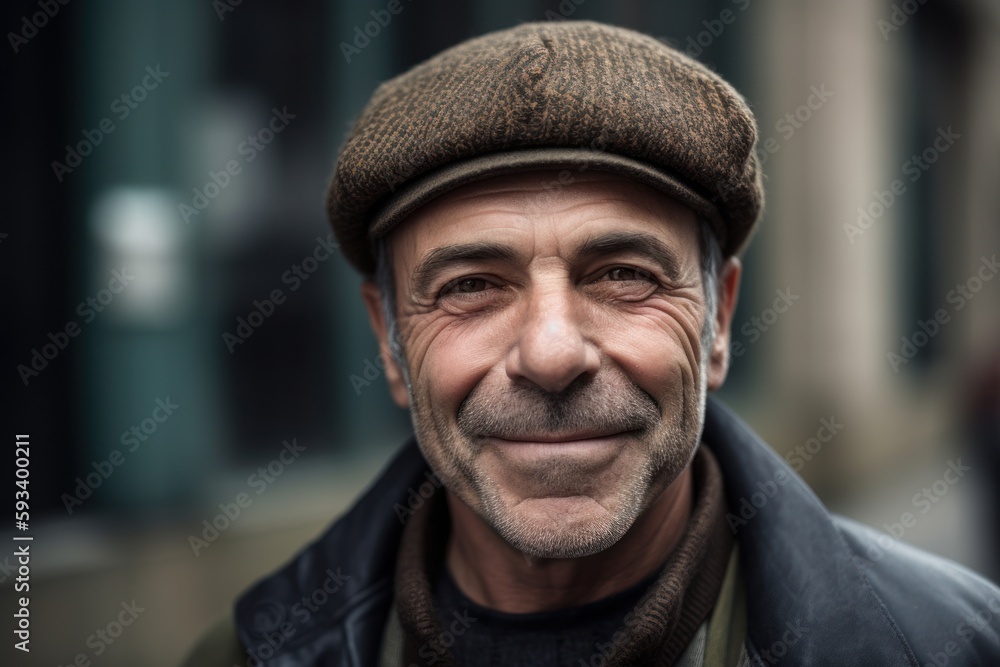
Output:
x=665 y=443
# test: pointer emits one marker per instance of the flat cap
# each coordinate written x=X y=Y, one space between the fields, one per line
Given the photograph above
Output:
x=566 y=94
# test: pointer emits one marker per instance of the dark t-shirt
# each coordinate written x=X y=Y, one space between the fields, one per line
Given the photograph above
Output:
x=487 y=638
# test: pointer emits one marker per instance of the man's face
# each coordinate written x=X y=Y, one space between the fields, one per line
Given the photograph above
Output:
x=552 y=337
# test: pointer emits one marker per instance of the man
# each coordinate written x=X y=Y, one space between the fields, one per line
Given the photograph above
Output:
x=550 y=219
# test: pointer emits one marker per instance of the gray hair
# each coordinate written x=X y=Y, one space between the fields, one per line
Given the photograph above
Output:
x=710 y=259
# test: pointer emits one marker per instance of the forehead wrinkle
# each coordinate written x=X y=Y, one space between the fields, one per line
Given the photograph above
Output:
x=639 y=201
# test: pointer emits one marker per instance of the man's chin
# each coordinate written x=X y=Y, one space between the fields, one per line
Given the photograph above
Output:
x=560 y=527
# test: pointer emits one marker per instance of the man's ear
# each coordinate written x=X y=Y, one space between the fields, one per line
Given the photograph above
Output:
x=729 y=290
x=372 y=297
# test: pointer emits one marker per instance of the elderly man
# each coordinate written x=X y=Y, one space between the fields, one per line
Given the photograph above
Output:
x=550 y=219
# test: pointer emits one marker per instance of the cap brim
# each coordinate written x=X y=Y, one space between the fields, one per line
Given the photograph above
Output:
x=415 y=194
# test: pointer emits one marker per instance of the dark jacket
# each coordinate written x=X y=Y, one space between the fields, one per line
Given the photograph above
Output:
x=821 y=590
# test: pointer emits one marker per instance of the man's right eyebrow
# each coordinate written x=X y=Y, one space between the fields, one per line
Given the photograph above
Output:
x=439 y=259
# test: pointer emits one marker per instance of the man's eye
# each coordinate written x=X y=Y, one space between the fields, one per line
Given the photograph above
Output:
x=621 y=273
x=465 y=286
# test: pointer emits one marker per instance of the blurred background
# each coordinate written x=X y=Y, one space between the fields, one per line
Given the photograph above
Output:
x=164 y=170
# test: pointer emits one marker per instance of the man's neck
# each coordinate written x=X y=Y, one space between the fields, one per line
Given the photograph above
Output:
x=495 y=575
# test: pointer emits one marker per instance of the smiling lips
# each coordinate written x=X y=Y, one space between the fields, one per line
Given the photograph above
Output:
x=548 y=438
x=598 y=449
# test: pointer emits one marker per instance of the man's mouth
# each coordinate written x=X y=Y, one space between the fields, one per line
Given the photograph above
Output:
x=589 y=449
x=558 y=438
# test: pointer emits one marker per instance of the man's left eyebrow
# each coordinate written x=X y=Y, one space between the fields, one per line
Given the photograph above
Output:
x=633 y=242
x=439 y=259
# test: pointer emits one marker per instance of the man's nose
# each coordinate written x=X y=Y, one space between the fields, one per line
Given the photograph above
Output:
x=552 y=348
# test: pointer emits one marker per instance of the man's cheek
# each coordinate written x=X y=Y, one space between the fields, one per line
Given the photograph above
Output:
x=674 y=389
x=655 y=363
x=455 y=363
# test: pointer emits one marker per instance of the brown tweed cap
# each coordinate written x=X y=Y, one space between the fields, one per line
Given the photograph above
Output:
x=568 y=94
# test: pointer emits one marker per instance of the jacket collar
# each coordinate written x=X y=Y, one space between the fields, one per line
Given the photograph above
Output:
x=333 y=597
x=808 y=602
x=806 y=594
